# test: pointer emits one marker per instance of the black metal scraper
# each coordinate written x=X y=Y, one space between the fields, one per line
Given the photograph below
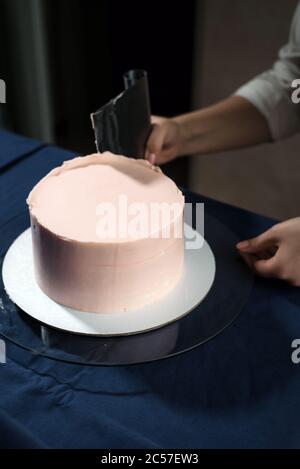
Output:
x=123 y=125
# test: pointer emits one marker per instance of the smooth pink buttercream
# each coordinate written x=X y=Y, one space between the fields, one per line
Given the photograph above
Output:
x=77 y=268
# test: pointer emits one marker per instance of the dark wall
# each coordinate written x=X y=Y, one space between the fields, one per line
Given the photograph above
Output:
x=63 y=59
x=94 y=42
x=238 y=40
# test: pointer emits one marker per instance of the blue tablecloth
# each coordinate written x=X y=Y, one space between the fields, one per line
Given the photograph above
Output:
x=239 y=390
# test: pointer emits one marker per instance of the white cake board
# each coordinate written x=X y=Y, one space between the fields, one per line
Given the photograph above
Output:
x=21 y=287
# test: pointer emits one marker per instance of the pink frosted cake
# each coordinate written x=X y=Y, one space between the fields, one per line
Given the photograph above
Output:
x=107 y=233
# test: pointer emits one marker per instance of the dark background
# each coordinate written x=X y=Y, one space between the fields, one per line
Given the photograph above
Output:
x=63 y=59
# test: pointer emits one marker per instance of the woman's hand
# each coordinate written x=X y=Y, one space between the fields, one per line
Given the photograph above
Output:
x=229 y=124
x=275 y=253
x=164 y=142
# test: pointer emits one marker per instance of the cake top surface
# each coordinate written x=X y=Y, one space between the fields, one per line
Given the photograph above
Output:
x=105 y=198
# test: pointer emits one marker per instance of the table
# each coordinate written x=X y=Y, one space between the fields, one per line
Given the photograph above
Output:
x=239 y=390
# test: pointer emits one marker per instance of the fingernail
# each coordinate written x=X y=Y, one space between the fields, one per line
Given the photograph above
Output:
x=243 y=244
x=151 y=158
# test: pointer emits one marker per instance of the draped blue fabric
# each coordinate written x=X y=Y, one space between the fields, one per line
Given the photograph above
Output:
x=239 y=390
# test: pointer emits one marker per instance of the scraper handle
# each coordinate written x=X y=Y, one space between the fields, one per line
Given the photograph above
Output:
x=133 y=76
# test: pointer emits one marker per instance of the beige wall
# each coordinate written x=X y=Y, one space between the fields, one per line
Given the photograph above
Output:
x=236 y=39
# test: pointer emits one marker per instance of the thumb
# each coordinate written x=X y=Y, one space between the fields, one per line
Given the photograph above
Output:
x=156 y=140
x=261 y=242
x=266 y=268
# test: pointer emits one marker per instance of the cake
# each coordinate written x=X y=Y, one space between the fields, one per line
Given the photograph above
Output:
x=102 y=238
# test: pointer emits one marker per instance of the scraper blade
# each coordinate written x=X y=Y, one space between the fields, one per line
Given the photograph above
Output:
x=123 y=125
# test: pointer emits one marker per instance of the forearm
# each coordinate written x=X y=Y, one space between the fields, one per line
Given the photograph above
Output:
x=229 y=124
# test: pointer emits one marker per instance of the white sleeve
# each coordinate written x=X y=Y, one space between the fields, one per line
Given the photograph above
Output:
x=271 y=91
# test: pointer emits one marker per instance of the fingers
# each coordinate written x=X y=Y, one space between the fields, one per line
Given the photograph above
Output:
x=160 y=144
x=264 y=242
x=155 y=143
x=157 y=119
x=260 y=253
x=151 y=158
x=264 y=267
